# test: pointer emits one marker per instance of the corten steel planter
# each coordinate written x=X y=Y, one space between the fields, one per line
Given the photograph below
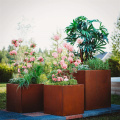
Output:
x=64 y=100
x=97 y=85
x=23 y=100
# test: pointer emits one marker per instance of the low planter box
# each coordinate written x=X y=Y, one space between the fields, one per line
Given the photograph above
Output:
x=64 y=100
x=97 y=85
x=23 y=100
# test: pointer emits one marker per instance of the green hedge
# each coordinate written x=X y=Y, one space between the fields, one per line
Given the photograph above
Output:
x=6 y=73
x=115 y=67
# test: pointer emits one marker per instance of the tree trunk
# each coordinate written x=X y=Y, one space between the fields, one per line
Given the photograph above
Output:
x=81 y=55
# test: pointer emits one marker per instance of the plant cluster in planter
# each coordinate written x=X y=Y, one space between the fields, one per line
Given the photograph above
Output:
x=25 y=93
x=96 y=74
x=70 y=95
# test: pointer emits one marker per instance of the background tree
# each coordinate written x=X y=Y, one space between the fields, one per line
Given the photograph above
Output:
x=114 y=61
x=116 y=39
x=94 y=38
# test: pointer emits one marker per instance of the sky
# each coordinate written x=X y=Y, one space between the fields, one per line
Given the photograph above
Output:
x=38 y=20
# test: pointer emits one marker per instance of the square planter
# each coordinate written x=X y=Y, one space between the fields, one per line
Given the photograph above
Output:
x=23 y=100
x=64 y=100
x=97 y=85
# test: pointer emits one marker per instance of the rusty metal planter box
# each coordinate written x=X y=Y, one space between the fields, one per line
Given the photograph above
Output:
x=97 y=85
x=24 y=99
x=64 y=100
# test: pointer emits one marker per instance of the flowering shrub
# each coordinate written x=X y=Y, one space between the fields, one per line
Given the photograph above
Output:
x=27 y=70
x=64 y=66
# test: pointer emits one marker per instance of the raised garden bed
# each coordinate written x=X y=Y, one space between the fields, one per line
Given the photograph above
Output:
x=64 y=100
x=97 y=86
x=24 y=99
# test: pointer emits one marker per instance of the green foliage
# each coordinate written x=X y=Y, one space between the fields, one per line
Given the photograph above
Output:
x=5 y=56
x=115 y=99
x=97 y=64
x=2 y=96
x=116 y=39
x=72 y=82
x=94 y=38
x=43 y=78
x=34 y=74
x=5 y=73
x=32 y=77
x=49 y=76
x=83 y=67
x=69 y=82
x=47 y=66
x=114 y=66
x=20 y=81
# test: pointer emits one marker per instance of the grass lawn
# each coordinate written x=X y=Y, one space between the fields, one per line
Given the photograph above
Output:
x=2 y=96
x=115 y=99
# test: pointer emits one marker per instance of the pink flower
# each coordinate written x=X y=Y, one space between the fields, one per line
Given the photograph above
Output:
x=79 y=41
x=71 y=48
x=15 y=64
x=56 y=37
x=76 y=63
x=32 y=53
x=26 y=53
x=65 y=45
x=53 y=77
x=55 y=55
x=20 y=40
x=14 y=41
x=55 y=63
x=59 y=50
x=13 y=52
x=40 y=59
x=26 y=59
x=64 y=66
x=25 y=70
x=16 y=44
x=64 y=57
x=70 y=59
x=32 y=59
x=62 y=62
x=24 y=67
x=18 y=70
x=79 y=61
x=59 y=71
x=29 y=66
x=33 y=45
x=71 y=54
x=59 y=79
x=65 y=77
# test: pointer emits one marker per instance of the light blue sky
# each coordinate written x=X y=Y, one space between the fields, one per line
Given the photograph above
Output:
x=42 y=18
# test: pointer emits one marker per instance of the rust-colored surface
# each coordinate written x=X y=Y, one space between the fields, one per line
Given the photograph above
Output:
x=25 y=100
x=80 y=76
x=104 y=88
x=97 y=84
x=73 y=99
x=64 y=100
x=90 y=90
x=13 y=98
